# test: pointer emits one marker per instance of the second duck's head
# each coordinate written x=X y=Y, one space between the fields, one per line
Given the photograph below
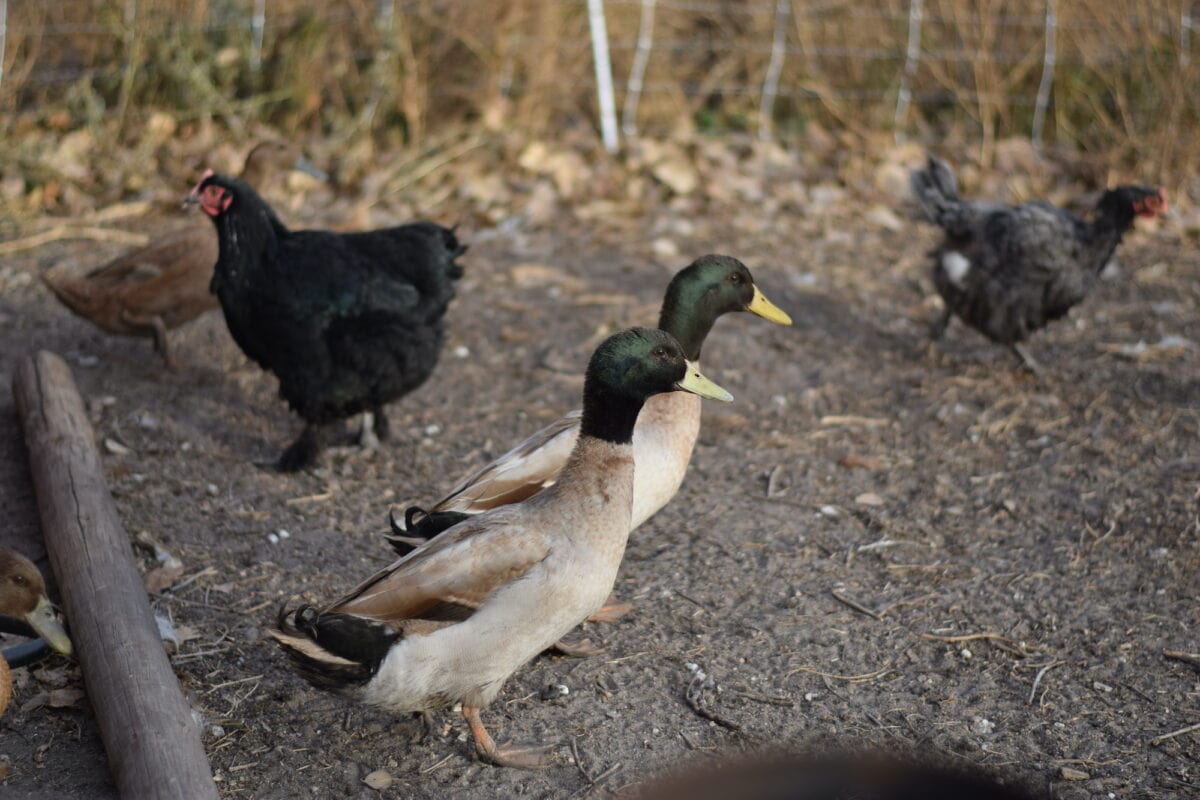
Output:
x=629 y=367
x=710 y=286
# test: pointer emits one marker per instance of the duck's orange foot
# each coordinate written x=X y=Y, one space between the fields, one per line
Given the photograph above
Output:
x=577 y=648
x=509 y=755
x=611 y=612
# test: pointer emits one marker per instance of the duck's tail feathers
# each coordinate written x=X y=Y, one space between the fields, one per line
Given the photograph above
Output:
x=419 y=527
x=333 y=651
x=936 y=190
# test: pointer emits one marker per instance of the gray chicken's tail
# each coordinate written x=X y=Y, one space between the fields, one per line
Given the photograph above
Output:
x=936 y=189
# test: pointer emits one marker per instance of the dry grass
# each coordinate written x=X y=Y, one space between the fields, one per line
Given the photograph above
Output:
x=1122 y=86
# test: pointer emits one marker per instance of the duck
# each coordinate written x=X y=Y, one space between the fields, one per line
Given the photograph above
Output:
x=164 y=284
x=666 y=431
x=451 y=621
x=26 y=610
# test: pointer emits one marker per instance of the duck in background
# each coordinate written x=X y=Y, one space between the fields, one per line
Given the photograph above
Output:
x=156 y=288
x=451 y=621
x=26 y=611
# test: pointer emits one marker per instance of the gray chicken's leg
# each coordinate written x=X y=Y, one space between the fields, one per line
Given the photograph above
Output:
x=938 y=329
x=1027 y=360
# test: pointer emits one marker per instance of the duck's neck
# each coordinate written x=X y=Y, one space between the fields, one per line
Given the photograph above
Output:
x=607 y=415
x=687 y=323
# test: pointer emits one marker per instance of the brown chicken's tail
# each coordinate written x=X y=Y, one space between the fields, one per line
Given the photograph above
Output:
x=71 y=292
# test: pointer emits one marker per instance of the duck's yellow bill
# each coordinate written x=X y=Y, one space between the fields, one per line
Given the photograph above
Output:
x=42 y=620
x=695 y=382
x=764 y=308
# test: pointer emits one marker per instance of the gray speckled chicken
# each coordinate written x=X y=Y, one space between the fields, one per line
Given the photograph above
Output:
x=1006 y=270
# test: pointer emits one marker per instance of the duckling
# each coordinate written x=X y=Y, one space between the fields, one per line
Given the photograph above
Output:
x=155 y=288
x=23 y=597
x=451 y=621
x=666 y=430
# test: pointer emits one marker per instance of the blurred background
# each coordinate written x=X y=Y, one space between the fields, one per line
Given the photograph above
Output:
x=1115 y=81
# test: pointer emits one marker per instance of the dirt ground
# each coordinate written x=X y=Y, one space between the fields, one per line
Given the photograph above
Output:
x=878 y=544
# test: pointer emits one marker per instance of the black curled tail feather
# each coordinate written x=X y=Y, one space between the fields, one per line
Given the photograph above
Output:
x=936 y=190
x=333 y=651
x=419 y=527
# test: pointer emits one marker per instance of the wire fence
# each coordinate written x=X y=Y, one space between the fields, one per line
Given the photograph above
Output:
x=1094 y=74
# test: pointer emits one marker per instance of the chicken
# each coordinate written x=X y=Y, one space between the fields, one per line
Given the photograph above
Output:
x=347 y=322
x=1007 y=271
x=155 y=288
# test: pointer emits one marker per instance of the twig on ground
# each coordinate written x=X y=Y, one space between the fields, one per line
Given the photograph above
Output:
x=1179 y=655
x=695 y=693
x=1038 y=678
x=859 y=607
x=1157 y=740
x=863 y=678
x=59 y=232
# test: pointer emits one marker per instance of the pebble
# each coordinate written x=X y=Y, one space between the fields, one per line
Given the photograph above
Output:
x=212 y=489
x=378 y=780
x=462 y=351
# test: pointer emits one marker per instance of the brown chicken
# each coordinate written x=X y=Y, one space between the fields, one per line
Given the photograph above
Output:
x=155 y=288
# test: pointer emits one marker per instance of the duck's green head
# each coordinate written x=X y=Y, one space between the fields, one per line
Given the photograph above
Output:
x=629 y=367
x=710 y=286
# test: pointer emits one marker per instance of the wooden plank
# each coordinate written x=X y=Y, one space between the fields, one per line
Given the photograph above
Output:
x=153 y=743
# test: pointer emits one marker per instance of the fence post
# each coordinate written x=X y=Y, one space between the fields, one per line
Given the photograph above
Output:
x=1043 y=95
x=604 y=80
x=3 y=35
x=1185 y=35
x=912 y=55
x=633 y=90
x=770 y=88
x=258 y=24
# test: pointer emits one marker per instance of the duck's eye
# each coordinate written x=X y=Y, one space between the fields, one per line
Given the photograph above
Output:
x=19 y=580
x=735 y=278
x=659 y=352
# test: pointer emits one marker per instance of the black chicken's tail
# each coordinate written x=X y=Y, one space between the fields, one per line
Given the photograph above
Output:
x=333 y=651
x=936 y=189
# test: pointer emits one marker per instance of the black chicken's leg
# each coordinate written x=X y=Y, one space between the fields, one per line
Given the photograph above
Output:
x=302 y=452
x=383 y=429
x=938 y=329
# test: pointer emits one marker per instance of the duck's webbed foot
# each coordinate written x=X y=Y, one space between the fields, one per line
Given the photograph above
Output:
x=610 y=611
x=506 y=755
x=577 y=648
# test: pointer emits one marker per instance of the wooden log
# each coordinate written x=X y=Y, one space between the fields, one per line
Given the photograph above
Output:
x=153 y=743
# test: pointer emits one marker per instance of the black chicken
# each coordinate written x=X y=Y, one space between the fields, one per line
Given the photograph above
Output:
x=1009 y=270
x=347 y=322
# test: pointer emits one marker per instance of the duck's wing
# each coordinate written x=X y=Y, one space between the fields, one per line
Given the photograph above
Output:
x=520 y=473
x=452 y=575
